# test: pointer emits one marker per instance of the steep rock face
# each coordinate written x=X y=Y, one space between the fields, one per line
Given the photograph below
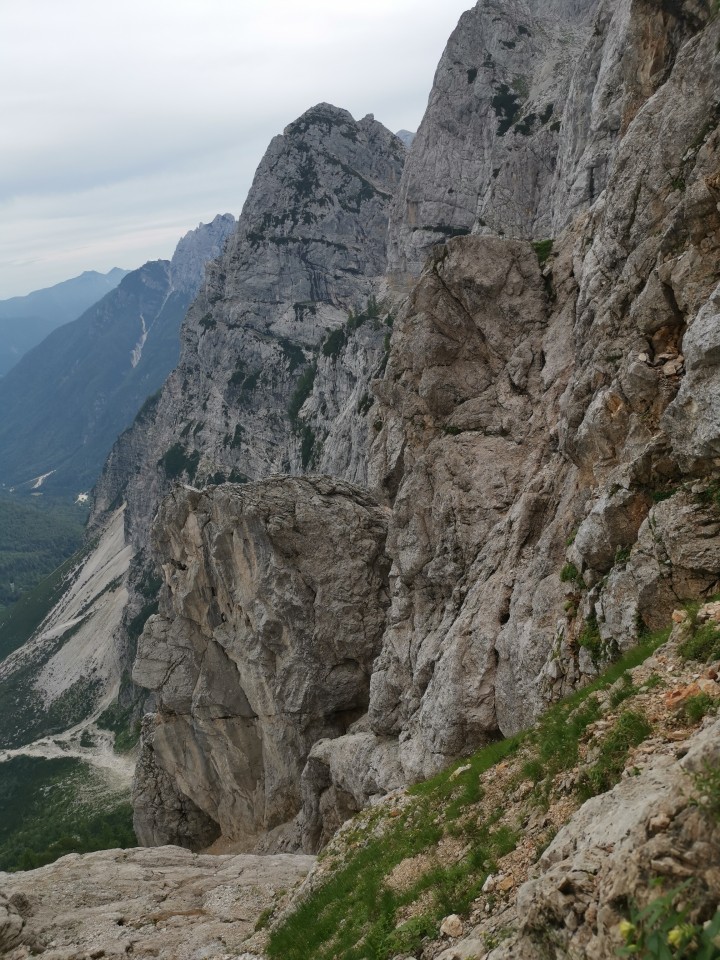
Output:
x=309 y=249
x=486 y=151
x=464 y=408
x=529 y=104
x=517 y=417
x=263 y=645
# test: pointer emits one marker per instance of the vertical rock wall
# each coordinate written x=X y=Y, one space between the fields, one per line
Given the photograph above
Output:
x=268 y=626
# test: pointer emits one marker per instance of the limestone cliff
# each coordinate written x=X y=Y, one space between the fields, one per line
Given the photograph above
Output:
x=520 y=414
x=543 y=429
x=516 y=483
x=263 y=645
x=530 y=103
x=270 y=377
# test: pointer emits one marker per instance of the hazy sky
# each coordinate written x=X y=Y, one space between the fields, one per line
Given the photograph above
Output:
x=125 y=125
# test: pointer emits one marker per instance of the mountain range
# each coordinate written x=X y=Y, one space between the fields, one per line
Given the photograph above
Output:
x=69 y=397
x=25 y=321
x=422 y=533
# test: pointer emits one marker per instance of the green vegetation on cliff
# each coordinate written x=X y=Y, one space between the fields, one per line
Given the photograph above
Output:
x=36 y=536
x=389 y=884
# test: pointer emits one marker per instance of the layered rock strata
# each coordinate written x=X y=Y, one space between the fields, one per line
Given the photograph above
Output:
x=267 y=630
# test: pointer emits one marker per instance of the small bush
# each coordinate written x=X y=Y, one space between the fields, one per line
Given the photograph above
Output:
x=264 y=919
x=695 y=708
x=590 y=639
x=630 y=730
x=661 y=931
x=333 y=343
x=543 y=249
x=571 y=574
x=178 y=461
x=623 y=692
x=703 y=644
x=293 y=352
x=302 y=391
x=622 y=555
x=707 y=783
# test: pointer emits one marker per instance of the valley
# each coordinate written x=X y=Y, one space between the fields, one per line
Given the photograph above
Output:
x=394 y=633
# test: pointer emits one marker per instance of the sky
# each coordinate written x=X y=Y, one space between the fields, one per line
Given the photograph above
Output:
x=124 y=125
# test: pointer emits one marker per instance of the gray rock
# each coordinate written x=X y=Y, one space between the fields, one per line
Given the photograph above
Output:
x=676 y=558
x=606 y=856
x=309 y=248
x=484 y=157
x=268 y=626
x=166 y=903
x=692 y=420
x=11 y=925
x=339 y=779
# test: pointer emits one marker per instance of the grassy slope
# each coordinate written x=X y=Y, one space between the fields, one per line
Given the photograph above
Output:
x=359 y=914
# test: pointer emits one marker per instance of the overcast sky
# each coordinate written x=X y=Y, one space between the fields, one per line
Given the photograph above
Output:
x=126 y=124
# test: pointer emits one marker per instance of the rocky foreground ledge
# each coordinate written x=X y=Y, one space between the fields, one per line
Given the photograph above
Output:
x=165 y=903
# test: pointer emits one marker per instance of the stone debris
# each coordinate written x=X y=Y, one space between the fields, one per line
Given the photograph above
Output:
x=452 y=926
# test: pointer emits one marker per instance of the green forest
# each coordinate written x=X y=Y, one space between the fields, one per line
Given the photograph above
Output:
x=36 y=536
x=54 y=807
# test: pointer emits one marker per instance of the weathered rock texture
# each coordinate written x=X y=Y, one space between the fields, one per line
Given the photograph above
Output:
x=165 y=903
x=254 y=393
x=520 y=413
x=547 y=459
x=486 y=154
x=267 y=631
x=530 y=103
x=466 y=416
x=609 y=854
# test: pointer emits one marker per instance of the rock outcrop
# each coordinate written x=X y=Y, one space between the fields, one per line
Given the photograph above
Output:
x=609 y=854
x=267 y=630
x=165 y=903
x=466 y=416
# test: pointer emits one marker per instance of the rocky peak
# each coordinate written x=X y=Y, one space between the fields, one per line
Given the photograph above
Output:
x=195 y=249
x=529 y=105
x=308 y=250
